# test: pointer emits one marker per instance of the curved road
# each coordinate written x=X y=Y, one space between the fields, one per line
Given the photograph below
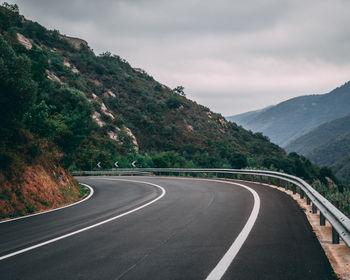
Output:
x=165 y=228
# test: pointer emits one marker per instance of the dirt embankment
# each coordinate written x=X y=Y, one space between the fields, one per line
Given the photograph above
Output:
x=37 y=189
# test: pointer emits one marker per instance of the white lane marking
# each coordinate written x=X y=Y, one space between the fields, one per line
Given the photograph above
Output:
x=92 y=226
x=59 y=208
x=220 y=269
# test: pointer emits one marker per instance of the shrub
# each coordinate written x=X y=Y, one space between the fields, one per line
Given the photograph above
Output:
x=173 y=101
x=5 y=161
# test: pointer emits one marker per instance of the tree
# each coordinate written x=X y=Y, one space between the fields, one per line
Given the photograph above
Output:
x=13 y=8
x=238 y=160
x=106 y=54
x=17 y=89
x=179 y=90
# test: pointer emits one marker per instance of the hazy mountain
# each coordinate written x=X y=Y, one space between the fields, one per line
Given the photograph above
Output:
x=328 y=144
x=335 y=154
x=336 y=149
x=245 y=118
x=295 y=117
x=320 y=136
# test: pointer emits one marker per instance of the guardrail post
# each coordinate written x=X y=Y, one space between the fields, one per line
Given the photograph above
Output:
x=294 y=189
x=308 y=200
x=335 y=236
x=302 y=194
x=322 y=220
x=314 y=209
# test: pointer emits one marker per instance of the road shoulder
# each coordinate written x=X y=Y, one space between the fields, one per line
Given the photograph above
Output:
x=337 y=254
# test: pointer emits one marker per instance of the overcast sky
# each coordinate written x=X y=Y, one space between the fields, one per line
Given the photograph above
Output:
x=230 y=55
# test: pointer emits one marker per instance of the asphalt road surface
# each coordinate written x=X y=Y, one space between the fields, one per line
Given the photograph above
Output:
x=166 y=228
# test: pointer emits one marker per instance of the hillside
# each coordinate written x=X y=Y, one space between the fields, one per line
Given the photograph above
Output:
x=295 y=117
x=328 y=144
x=117 y=111
x=332 y=151
x=65 y=108
x=342 y=170
x=336 y=154
x=320 y=136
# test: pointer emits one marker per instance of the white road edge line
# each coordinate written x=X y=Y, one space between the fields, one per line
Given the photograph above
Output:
x=59 y=208
x=218 y=272
x=220 y=269
x=94 y=225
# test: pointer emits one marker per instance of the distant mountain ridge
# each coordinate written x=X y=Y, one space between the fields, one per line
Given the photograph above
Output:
x=336 y=149
x=320 y=136
x=328 y=144
x=295 y=117
x=247 y=116
x=335 y=154
x=316 y=126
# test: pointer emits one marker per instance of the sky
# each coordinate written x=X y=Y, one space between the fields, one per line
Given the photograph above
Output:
x=232 y=56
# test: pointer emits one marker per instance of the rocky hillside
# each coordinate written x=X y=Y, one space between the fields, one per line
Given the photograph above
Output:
x=64 y=106
x=99 y=108
x=295 y=117
x=35 y=188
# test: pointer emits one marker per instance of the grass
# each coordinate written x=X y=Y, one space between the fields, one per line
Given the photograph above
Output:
x=82 y=190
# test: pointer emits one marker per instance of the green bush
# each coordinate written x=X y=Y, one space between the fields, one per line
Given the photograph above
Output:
x=173 y=101
x=5 y=161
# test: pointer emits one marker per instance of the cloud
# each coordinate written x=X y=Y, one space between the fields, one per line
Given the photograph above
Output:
x=246 y=53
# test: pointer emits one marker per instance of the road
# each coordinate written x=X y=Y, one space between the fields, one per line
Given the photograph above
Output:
x=166 y=228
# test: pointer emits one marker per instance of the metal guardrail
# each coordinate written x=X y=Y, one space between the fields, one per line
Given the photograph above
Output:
x=111 y=172
x=339 y=221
